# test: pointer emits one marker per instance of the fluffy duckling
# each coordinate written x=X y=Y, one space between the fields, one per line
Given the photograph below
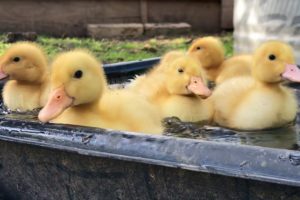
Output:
x=178 y=90
x=210 y=52
x=25 y=64
x=79 y=95
x=239 y=65
x=260 y=101
x=170 y=56
x=142 y=83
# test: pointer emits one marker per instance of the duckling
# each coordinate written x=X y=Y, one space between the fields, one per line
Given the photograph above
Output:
x=239 y=65
x=260 y=101
x=80 y=95
x=170 y=56
x=26 y=65
x=178 y=90
x=142 y=83
x=210 y=52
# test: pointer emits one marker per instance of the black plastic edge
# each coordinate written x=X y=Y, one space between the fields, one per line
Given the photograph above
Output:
x=242 y=161
x=132 y=66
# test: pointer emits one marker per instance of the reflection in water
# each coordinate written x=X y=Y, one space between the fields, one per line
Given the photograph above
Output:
x=284 y=138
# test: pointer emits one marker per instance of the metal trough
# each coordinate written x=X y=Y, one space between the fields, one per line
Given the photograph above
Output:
x=46 y=161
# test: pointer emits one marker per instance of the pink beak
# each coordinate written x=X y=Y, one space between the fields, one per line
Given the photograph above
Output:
x=198 y=87
x=2 y=74
x=58 y=101
x=291 y=73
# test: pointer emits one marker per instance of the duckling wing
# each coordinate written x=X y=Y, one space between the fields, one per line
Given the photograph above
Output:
x=228 y=96
x=234 y=67
x=125 y=110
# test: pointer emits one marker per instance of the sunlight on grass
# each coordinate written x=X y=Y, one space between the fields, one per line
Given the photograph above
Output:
x=111 y=51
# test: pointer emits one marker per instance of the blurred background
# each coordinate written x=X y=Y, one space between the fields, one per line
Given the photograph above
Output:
x=127 y=30
x=115 y=30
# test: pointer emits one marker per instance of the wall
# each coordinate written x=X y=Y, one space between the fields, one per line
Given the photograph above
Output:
x=70 y=17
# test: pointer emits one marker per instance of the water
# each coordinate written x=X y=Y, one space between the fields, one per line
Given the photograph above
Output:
x=283 y=138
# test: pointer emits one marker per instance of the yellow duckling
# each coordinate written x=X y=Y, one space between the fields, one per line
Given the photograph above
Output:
x=239 y=65
x=26 y=65
x=170 y=57
x=178 y=90
x=142 y=84
x=260 y=101
x=80 y=96
x=210 y=52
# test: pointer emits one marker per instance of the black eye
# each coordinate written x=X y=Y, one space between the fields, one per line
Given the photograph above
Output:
x=78 y=74
x=180 y=70
x=272 y=57
x=198 y=48
x=16 y=59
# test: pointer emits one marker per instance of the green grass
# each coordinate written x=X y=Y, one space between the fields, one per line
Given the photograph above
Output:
x=111 y=51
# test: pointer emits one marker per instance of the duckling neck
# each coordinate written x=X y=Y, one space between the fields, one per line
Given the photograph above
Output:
x=28 y=83
x=213 y=66
x=87 y=106
x=40 y=81
x=212 y=72
x=275 y=85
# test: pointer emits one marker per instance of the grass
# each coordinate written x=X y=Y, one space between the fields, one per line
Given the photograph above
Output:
x=111 y=51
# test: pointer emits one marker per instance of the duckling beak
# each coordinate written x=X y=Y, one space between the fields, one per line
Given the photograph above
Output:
x=291 y=73
x=198 y=87
x=2 y=74
x=58 y=101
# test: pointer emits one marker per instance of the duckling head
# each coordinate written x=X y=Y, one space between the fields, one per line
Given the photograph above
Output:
x=77 y=78
x=24 y=61
x=274 y=62
x=185 y=77
x=209 y=51
x=170 y=56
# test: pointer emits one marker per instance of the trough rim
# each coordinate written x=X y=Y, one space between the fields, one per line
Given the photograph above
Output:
x=228 y=159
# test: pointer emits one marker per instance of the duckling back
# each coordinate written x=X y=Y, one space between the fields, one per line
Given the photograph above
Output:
x=125 y=110
x=235 y=66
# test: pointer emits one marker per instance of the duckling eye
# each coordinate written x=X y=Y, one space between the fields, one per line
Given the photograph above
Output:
x=198 y=48
x=16 y=59
x=180 y=70
x=272 y=57
x=78 y=74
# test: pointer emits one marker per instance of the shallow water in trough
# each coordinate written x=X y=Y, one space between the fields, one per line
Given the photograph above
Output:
x=284 y=138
